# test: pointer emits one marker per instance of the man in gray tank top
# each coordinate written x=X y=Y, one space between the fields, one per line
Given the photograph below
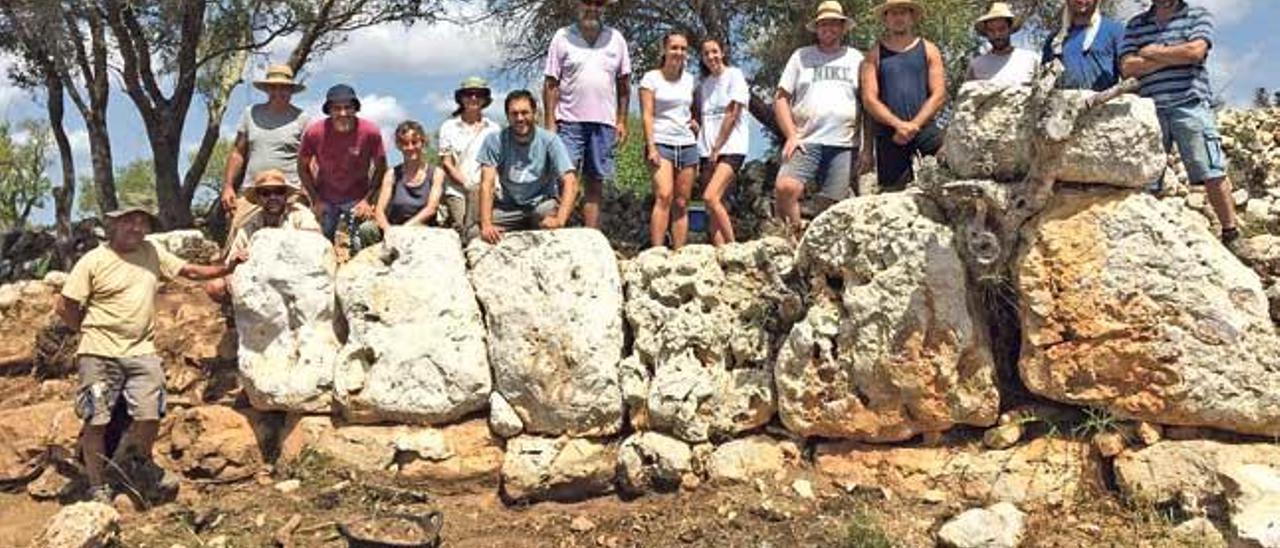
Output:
x=903 y=88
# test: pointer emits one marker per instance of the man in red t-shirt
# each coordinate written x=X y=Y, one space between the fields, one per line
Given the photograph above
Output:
x=348 y=155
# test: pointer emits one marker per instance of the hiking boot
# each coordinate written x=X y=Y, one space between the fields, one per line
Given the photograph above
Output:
x=151 y=482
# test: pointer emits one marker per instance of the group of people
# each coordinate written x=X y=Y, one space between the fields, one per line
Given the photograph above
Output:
x=839 y=110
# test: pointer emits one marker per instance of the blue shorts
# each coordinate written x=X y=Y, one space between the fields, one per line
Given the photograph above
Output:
x=1193 y=127
x=680 y=156
x=829 y=167
x=590 y=146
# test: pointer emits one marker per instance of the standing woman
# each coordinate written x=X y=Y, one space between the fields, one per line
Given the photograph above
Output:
x=411 y=192
x=666 y=98
x=723 y=141
x=461 y=137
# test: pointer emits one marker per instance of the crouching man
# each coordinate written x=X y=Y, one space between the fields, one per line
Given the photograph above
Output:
x=109 y=297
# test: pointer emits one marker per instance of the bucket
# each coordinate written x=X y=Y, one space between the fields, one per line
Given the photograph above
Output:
x=698 y=220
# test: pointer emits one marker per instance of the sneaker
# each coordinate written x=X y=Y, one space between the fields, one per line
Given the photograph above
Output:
x=153 y=483
x=1230 y=236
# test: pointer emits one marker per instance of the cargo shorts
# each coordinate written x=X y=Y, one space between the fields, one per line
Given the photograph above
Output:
x=1194 y=129
x=140 y=379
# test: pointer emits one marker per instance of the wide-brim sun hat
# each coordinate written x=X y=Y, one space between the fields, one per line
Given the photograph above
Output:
x=278 y=75
x=998 y=10
x=829 y=10
x=908 y=4
x=474 y=83
x=120 y=213
x=340 y=93
x=271 y=178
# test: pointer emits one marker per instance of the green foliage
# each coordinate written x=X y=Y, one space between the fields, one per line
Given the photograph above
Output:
x=1097 y=420
x=135 y=187
x=864 y=531
x=632 y=173
x=23 y=184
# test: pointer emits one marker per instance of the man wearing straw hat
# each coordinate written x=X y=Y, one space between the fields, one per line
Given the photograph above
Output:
x=109 y=298
x=266 y=138
x=1004 y=64
x=1088 y=45
x=816 y=106
x=276 y=204
x=586 y=94
x=903 y=88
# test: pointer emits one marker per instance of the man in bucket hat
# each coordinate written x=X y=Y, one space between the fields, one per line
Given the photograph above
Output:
x=266 y=138
x=586 y=93
x=277 y=205
x=109 y=298
x=816 y=106
x=1004 y=64
x=461 y=137
x=903 y=88
x=349 y=161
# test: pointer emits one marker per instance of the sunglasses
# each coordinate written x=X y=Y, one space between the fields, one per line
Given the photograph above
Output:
x=275 y=191
x=594 y=3
x=474 y=93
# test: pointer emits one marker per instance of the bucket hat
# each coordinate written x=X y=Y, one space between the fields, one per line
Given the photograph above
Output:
x=474 y=83
x=340 y=93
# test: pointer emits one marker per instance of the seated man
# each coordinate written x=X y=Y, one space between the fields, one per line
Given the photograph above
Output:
x=526 y=164
x=278 y=205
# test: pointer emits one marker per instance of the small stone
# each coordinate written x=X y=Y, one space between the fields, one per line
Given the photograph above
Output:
x=581 y=524
x=998 y=526
x=55 y=279
x=803 y=488
x=1240 y=196
x=1109 y=444
x=288 y=486
x=503 y=420
x=49 y=485
x=1149 y=433
x=1003 y=436
x=1196 y=201
x=84 y=524
x=934 y=496
x=1199 y=532
x=1254 y=493
x=690 y=482
x=219 y=541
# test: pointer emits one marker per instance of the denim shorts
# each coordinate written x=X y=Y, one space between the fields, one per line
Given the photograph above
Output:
x=1193 y=127
x=829 y=167
x=590 y=146
x=680 y=156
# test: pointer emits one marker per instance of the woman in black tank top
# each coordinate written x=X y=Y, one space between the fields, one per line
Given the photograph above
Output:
x=410 y=193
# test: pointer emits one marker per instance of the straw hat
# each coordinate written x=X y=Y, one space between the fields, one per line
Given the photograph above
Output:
x=998 y=10
x=474 y=83
x=279 y=75
x=909 y=4
x=271 y=178
x=829 y=10
x=120 y=213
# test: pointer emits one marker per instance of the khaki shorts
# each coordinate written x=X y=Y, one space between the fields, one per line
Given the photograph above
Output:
x=139 y=379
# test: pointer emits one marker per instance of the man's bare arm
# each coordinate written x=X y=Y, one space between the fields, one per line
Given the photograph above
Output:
x=1186 y=53
x=550 y=100
x=937 y=86
x=70 y=312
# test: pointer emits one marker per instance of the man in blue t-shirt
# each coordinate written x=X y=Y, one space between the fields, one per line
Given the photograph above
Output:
x=525 y=165
x=1088 y=45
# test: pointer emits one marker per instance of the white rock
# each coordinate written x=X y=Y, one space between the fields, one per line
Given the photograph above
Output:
x=649 y=461
x=998 y=526
x=415 y=351
x=745 y=459
x=503 y=420
x=1254 y=493
x=190 y=244
x=803 y=488
x=55 y=279
x=992 y=131
x=553 y=309
x=285 y=312
x=10 y=294
x=891 y=346
x=556 y=468
x=707 y=323
x=1186 y=471
x=80 y=525
x=1129 y=304
x=1199 y=532
x=288 y=486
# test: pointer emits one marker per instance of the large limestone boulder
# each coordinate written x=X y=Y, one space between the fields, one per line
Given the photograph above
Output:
x=707 y=324
x=1190 y=472
x=891 y=346
x=285 y=311
x=993 y=129
x=649 y=461
x=415 y=345
x=553 y=309
x=1254 y=493
x=27 y=433
x=753 y=457
x=1045 y=472
x=1131 y=304
x=561 y=468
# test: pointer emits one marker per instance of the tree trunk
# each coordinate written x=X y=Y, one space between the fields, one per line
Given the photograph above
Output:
x=63 y=196
x=104 y=177
x=175 y=211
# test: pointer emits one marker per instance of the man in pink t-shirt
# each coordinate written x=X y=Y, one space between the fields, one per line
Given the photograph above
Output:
x=348 y=155
x=587 y=90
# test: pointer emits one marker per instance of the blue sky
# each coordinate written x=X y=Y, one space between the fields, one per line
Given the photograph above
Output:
x=410 y=73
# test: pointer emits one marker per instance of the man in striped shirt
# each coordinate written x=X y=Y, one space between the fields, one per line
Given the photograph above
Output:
x=1166 y=47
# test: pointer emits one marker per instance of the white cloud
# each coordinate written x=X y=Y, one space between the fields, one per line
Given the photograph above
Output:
x=1226 y=12
x=422 y=49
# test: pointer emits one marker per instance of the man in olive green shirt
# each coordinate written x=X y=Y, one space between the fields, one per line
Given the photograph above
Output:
x=109 y=297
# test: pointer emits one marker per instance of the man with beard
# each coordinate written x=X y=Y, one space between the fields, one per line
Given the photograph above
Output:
x=586 y=93
x=521 y=168
x=1166 y=49
x=1004 y=64
x=349 y=157
x=903 y=88
x=1088 y=45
